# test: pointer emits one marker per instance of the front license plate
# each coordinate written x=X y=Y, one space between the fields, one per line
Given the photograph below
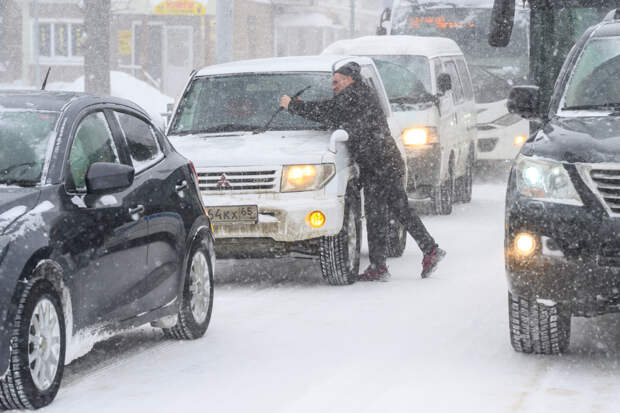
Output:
x=232 y=214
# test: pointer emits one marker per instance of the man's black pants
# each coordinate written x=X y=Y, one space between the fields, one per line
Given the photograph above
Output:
x=382 y=202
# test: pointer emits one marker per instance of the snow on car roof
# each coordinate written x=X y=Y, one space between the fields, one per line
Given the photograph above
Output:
x=280 y=64
x=395 y=45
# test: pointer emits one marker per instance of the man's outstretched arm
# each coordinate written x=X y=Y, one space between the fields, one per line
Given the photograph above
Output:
x=320 y=111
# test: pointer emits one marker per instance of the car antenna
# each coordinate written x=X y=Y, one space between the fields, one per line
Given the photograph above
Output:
x=46 y=76
x=266 y=127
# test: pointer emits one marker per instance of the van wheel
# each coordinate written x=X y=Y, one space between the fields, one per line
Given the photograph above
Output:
x=197 y=301
x=339 y=255
x=443 y=196
x=396 y=239
x=465 y=184
x=537 y=328
x=37 y=349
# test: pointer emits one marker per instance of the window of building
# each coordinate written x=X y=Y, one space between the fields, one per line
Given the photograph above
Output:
x=61 y=41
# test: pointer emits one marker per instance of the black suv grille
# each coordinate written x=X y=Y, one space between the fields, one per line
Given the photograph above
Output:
x=607 y=183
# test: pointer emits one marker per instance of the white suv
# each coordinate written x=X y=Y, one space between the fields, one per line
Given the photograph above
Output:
x=289 y=189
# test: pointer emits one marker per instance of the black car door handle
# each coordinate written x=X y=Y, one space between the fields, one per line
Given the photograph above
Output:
x=181 y=186
x=137 y=210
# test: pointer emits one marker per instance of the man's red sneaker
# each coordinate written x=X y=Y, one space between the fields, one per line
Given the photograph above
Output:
x=430 y=261
x=373 y=273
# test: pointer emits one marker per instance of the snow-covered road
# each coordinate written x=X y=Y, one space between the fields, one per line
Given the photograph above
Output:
x=281 y=340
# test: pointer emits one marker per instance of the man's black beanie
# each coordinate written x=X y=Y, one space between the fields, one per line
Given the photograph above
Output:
x=350 y=69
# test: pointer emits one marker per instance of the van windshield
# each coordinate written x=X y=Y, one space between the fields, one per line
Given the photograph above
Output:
x=246 y=102
x=404 y=77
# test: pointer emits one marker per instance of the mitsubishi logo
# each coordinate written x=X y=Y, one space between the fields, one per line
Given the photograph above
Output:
x=223 y=183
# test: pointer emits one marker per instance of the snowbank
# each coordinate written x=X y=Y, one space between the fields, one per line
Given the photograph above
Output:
x=123 y=85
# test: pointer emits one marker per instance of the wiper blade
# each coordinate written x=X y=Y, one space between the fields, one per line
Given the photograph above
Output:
x=228 y=127
x=19 y=182
x=601 y=106
x=403 y=100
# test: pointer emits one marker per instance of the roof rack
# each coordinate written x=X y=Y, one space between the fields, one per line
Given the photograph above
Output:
x=612 y=15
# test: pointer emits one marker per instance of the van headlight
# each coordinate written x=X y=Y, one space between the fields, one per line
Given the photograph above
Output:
x=419 y=136
x=306 y=177
x=546 y=180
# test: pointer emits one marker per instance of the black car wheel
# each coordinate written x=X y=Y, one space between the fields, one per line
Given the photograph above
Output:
x=465 y=185
x=538 y=328
x=340 y=254
x=396 y=240
x=37 y=350
x=197 y=301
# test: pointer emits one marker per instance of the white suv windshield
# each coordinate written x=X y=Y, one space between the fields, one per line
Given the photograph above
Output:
x=247 y=102
x=595 y=83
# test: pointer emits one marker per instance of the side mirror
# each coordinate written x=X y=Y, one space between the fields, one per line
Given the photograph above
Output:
x=523 y=100
x=386 y=15
x=502 y=20
x=339 y=135
x=104 y=177
x=444 y=83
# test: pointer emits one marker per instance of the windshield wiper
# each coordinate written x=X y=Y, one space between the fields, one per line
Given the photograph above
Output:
x=615 y=106
x=18 y=182
x=227 y=127
x=403 y=100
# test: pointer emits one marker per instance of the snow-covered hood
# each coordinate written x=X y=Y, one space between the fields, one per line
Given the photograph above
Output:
x=584 y=139
x=15 y=202
x=268 y=148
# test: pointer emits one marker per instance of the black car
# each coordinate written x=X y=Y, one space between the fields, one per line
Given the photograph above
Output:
x=562 y=239
x=101 y=228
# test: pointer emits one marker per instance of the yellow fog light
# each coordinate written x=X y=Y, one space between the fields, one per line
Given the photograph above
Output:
x=316 y=219
x=525 y=244
x=419 y=136
x=520 y=140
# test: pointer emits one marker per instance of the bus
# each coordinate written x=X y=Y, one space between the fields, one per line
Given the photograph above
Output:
x=556 y=26
x=493 y=70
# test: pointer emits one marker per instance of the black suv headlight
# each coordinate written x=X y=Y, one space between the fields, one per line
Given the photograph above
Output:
x=546 y=180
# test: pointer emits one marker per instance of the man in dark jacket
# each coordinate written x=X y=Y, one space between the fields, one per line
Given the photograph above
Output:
x=355 y=108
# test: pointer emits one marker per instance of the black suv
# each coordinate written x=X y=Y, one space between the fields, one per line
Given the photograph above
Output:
x=101 y=228
x=562 y=242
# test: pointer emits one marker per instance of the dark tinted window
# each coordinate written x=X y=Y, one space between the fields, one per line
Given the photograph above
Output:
x=143 y=146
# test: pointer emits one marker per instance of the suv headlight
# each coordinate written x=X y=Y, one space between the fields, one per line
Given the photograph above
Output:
x=419 y=136
x=546 y=180
x=306 y=177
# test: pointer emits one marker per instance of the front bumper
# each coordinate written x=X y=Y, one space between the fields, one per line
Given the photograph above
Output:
x=281 y=216
x=423 y=169
x=576 y=260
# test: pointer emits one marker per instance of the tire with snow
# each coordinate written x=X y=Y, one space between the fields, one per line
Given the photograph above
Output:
x=538 y=328
x=396 y=240
x=197 y=300
x=443 y=196
x=38 y=346
x=339 y=255
x=465 y=185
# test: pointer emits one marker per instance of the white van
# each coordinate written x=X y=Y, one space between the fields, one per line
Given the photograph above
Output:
x=286 y=189
x=429 y=86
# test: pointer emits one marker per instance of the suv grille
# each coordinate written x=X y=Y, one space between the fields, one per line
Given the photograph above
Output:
x=607 y=185
x=250 y=180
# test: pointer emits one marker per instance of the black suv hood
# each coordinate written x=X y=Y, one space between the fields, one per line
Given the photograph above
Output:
x=586 y=139
x=15 y=202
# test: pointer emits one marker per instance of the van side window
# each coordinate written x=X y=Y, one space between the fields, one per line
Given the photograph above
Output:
x=437 y=66
x=468 y=89
x=457 y=88
x=371 y=79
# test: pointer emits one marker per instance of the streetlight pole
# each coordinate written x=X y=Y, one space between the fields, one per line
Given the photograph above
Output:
x=224 y=30
x=35 y=43
x=352 y=18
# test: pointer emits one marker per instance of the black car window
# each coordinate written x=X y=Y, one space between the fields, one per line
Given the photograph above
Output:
x=143 y=146
x=92 y=143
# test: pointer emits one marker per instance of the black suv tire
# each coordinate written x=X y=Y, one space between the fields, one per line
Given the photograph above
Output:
x=537 y=328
